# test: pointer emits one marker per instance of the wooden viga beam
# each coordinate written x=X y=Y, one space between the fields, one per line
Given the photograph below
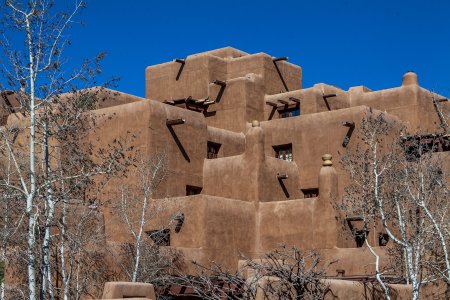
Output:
x=272 y=104
x=283 y=101
x=326 y=96
x=275 y=59
x=182 y=62
x=348 y=135
x=220 y=82
x=171 y=122
x=296 y=100
x=348 y=124
x=282 y=176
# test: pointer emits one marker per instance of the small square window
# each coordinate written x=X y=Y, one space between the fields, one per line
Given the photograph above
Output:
x=289 y=112
x=310 y=193
x=213 y=150
x=283 y=152
x=193 y=190
x=383 y=239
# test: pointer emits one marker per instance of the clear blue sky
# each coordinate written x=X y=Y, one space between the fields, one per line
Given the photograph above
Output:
x=343 y=43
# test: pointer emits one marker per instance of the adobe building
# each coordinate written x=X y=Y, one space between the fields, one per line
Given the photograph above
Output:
x=246 y=144
x=253 y=157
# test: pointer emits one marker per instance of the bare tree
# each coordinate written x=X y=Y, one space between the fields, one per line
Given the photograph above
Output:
x=285 y=273
x=48 y=129
x=398 y=183
x=144 y=258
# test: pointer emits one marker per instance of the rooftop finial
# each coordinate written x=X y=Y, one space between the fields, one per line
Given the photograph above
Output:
x=255 y=123
x=327 y=160
x=410 y=78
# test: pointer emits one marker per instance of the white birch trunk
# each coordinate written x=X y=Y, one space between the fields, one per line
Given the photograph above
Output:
x=139 y=239
x=386 y=289
x=32 y=160
x=3 y=258
x=46 y=267
x=64 y=278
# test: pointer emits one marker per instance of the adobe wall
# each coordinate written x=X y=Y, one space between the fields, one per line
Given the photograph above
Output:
x=232 y=143
x=214 y=228
x=251 y=176
x=248 y=78
x=141 y=129
x=319 y=98
x=311 y=136
x=409 y=102
x=250 y=200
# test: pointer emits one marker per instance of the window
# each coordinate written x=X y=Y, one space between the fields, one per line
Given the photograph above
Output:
x=417 y=145
x=193 y=190
x=283 y=152
x=360 y=237
x=383 y=239
x=310 y=193
x=160 y=237
x=213 y=150
x=289 y=112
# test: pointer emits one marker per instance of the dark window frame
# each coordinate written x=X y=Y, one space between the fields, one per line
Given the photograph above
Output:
x=289 y=112
x=284 y=152
x=212 y=146
x=192 y=190
x=310 y=193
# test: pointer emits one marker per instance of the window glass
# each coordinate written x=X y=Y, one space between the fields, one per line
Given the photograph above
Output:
x=213 y=150
x=283 y=152
x=290 y=112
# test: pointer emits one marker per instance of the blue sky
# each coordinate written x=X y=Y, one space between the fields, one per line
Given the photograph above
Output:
x=343 y=43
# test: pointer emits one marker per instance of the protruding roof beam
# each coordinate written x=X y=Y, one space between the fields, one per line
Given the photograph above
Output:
x=348 y=124
x=348 y=135
x=296 y=100
x=282 y=176
x=220 y=82
x=175 y=122
x=326 y=96
x=283 y=101
x=272 y=104
x=275 y=59
x=182 y=62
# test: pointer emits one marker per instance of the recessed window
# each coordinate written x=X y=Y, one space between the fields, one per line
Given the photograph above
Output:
x=213 y=150
x=193 y=190
x=283 y=152
x=160 y=237
x=418 y=145
x=360 y=237
x=310 y=193
x=289 y=112
x=383 y=239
